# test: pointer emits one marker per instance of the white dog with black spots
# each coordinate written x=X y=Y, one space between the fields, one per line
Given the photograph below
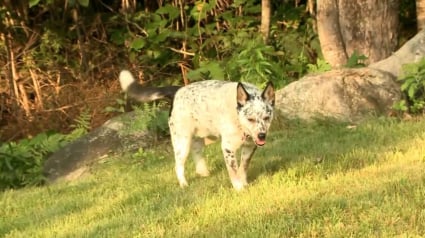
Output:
x=238 y=113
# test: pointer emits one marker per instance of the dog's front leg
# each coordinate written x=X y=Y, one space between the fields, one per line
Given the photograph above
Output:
x=229 y=148
x=232 y=168
x=247 y=152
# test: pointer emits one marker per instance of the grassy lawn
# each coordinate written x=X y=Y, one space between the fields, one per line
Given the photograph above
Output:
x=322 y=180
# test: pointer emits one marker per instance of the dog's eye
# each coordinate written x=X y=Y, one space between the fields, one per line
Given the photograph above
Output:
x=266 y=118
x=252 y=120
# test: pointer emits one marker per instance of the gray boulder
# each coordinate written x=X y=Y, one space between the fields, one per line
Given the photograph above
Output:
x=113 y=137
x=350 y=94
x=344 y=95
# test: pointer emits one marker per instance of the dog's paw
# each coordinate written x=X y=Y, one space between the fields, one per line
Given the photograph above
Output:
x=183 y=183
x=242 y=177
x=203 y=172
x=238 y=185
x=201 y=169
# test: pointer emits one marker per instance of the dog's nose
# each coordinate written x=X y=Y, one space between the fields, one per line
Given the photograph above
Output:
x=261 y=136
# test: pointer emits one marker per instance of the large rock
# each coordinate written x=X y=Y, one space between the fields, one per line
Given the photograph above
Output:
x=114 y=136
x=343 y=95
x=350 y=94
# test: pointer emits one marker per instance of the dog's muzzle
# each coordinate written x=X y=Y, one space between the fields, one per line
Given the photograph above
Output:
x=261 y=139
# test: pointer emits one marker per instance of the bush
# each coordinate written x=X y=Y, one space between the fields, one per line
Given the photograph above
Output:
x=21 y=163
x=413 y=87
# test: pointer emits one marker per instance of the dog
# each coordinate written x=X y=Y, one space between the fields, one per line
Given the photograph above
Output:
x=238 y=113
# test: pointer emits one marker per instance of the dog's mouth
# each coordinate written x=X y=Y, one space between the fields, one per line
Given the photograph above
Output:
x=259 y=142
x=260 y=139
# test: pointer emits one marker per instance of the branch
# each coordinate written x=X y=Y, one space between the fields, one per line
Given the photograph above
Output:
x=181 y=51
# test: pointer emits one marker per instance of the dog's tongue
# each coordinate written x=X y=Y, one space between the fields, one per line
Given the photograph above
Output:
x=260 y=142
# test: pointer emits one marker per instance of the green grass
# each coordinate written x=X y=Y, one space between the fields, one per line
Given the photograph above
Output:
x=322 y=180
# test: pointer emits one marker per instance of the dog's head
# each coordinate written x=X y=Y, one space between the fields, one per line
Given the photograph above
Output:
x=255 y=110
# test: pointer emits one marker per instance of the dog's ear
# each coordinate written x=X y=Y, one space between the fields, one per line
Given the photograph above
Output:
x=268 y=93
x=242 y=95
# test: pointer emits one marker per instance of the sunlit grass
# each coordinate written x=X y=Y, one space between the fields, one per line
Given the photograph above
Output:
x=322 y=180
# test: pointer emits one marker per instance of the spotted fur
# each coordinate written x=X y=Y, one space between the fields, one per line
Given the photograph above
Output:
x=238 y=113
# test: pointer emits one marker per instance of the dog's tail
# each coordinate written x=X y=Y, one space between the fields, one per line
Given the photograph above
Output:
x=145 y=94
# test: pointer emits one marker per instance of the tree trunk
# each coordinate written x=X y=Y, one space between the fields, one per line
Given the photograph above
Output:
x=328 y=28
x=265 y=19
x=368 y=27
x=420 y=14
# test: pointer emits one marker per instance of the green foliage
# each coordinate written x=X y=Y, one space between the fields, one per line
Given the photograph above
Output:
x=296 y=44
x=159 y=122
x=320 y=67
x=241 y=54
x=21 y=162
x=207 y=70
x=401 y=106
x=71 y=3
x=143 y=155
x=222 y=44
x=356 y=60
x=33 y=3
x=120 y=106
x=82 y=123
x=413 y=86
x=254 y=63
x=148 y=116
x=50 y=50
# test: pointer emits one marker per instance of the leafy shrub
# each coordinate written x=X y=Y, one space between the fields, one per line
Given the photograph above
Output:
x=21 y=163
x=320 y=67
x=149 y=116
x=356 y=60
x=254 y=63
x=221 y=43
x=413 y=87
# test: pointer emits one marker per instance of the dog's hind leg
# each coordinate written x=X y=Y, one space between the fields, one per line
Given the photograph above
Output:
x=201 y=166
x=181 y=145
x=247 y=152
